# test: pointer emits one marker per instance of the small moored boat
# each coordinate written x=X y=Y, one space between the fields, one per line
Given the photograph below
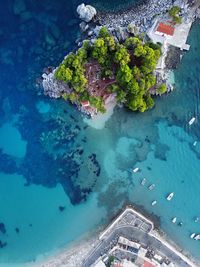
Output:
x=192 y=235
x=195 y=143
x=174 y=220
x=136 y=170
x=154 y=203
x=192 y=120
x=197 y=237
x=143 y=181
x=152 y=186
x=170 y=196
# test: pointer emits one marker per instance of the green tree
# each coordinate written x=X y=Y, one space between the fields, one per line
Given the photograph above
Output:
x=162 y=88
x=122 y=56
x=124 y=75
x=140 y=51
x=133 y=86
x=177 y=19
x=100 y=50
x=174 y=13
x=132 y=42
x=149 y=101
x=73 y=97
x=103 y=33
x=65 y=96
x=150 y=81
x=63 y=73
x=121 y=95
x=111 y=44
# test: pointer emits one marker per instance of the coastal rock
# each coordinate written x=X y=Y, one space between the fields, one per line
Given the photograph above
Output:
x=149 y=10
x=121 y=34
x=96 y=30
x=132 y=29
x=83 y=26
x=86 y=12
x=90 y=33
x=52 y=87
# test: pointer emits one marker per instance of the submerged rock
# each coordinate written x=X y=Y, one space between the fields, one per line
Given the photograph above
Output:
x=86 y=12
x=19 y=7
x=17 y=230
x=2 y=228
x=2 y=244
x=61 y=208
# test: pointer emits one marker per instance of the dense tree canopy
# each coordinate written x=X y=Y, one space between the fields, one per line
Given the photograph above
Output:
x=174 y=13
x=130 y=63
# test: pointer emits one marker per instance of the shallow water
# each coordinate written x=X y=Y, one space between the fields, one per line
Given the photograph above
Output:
x=60 y=177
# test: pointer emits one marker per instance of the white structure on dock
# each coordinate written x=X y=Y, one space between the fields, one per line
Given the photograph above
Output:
x=175 y=35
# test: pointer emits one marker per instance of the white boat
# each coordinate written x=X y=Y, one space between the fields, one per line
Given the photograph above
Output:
x=170 y=196
x=197 y=237
x=192 y=235
x=174 y=220
x=152 y=186
x=195 y=143
x=196 y=219
x=143 y=181
x=192 y=120
x=154 y=203
x=136 y=170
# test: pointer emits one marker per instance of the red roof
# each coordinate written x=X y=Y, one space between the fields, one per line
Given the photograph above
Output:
x=164 y=28
x=148 y=264
x=85 y=103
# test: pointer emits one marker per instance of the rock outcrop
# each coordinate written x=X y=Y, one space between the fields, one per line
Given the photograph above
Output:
x=53 y=87
x=86 y=12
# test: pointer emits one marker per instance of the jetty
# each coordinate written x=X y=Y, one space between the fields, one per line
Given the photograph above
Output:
x=133 y=236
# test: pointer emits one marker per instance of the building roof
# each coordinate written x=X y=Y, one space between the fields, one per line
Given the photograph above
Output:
x=148 y=264
x=85 y=103
x=125 y=241
x=166 y=29
x=100 y=264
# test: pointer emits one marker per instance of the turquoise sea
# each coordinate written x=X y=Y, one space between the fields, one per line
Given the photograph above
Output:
x=59 y=177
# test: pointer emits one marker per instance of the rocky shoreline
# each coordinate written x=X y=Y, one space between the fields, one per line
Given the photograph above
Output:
x=141 y=15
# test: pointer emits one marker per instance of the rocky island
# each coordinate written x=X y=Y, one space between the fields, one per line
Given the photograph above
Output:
x=125 y=64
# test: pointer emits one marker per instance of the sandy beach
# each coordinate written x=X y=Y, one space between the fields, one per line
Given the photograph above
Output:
x=71 y=256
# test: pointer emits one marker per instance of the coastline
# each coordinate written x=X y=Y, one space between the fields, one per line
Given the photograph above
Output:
x=72 y=255
x=99 y=120
x=79 y=250
x=142 y=15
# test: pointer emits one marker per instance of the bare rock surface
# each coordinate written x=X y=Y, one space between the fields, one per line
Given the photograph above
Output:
x=86 y=12
x=53 y=87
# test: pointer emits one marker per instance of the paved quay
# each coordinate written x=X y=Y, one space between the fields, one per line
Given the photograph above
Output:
x=135 y=227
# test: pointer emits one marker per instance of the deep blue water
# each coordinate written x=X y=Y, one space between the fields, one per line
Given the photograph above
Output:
x=57 y=174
